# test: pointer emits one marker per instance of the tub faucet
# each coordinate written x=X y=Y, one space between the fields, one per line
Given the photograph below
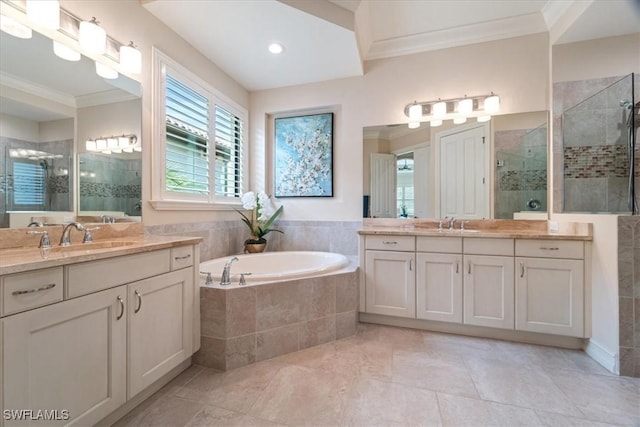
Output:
x=226 y=272
x=65 y=239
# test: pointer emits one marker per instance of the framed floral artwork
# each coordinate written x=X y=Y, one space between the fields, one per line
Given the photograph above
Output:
x=303 y=151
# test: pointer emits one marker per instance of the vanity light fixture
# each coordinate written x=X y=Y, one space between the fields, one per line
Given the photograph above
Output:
x=92 y=37
x=105 y=71
x=131 y=58
x=14 y=28
x=44 y=12
x=456 y=109
x=113 y=144
x=65 y=52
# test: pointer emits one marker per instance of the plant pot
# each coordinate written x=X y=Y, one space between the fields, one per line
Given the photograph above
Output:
x=254 y=248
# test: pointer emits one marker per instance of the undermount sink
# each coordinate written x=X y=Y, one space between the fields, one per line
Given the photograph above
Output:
x=92 y=246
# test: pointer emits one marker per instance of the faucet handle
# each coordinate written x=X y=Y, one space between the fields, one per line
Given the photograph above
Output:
x=45 y=243
x=88 y=237
x=209 y=279
x=243 y=281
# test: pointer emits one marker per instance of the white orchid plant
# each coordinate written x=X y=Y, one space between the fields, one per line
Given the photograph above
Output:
x=262 y=215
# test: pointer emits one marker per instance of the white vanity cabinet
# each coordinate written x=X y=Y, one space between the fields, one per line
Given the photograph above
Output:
x=389 y=275
x=489 y=282
x=550 y=288
x=68 y=356
x=125 y=322
x=439 y=278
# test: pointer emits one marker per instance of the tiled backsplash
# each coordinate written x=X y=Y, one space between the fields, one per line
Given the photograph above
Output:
x=597 y=161
x=629 y=294
x=223 y=238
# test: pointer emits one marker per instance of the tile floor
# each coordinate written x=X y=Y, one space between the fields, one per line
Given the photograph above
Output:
x=387 y=376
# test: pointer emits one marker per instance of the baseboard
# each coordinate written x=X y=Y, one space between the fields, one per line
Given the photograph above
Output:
x=604 y=357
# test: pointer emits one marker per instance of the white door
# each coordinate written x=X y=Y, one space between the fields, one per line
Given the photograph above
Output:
x=160 y=324
x=421 y=196
x=550 y=296
x=489 y=291
x=464 y=188
x=383 y=186
x=70 y=355
x=390 y=283
x=439 y=287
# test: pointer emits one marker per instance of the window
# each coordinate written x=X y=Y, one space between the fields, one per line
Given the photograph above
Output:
x=29 y=185
x=202 y=158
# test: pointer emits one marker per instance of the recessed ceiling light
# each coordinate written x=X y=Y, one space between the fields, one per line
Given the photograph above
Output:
x=276 y=48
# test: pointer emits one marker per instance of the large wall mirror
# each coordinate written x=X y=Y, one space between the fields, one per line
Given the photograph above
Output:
x=49 y=108
x=496 y=169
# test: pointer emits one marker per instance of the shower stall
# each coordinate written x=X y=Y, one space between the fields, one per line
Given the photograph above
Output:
x=601 y=159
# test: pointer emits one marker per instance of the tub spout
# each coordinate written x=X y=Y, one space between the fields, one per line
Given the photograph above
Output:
x=226 y=272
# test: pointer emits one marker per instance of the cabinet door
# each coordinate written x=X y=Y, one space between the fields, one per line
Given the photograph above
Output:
x=160 y=324
x=68 y=356
x=439 y=287
x=390 y=283
x=488 y=291
x=550 y=296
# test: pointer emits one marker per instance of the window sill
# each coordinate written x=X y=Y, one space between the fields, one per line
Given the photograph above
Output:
x=182 y=205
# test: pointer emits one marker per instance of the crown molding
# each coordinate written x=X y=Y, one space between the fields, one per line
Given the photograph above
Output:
x=15 y=82
x=106 y=97
x=452 y=37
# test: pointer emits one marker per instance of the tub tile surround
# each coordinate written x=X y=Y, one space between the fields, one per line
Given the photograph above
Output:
x=629 y=294
x=241 y=326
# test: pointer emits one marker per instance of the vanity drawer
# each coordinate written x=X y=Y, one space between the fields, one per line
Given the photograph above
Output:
x=93 y=276
x=488 y=246
x=391 y=243
x=540 y=248
x=181 y=257
x=448 y=245
x=31 y=289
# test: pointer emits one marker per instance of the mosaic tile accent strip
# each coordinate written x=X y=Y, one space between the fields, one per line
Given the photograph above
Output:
x=598 y=161
x=108 y=190
x=515 y=180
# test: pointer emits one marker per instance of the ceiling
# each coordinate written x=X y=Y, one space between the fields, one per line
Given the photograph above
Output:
x=331 y=39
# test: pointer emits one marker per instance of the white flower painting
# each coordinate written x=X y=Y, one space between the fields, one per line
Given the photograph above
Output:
x=303 y=156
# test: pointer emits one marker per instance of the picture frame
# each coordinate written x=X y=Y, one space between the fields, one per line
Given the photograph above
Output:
x=303 y=156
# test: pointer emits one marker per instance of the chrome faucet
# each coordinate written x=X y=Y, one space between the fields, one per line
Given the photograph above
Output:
x=226 y=272
x=35 y=224
x=65 y=239
x=452 y=221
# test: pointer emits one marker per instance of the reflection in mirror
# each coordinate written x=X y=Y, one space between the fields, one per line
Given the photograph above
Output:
x=48 y=108
x=407 y=174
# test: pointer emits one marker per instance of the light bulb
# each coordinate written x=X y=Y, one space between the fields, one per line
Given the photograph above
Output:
x=112 y=143
x=276 y=48
x=439 y=109
x=435 y=123
x=106 y=71
x=414 y=124
x=65 y=52
x=415 y=112
x=459 y=120
x=465 y=106
x=483 y=119
x=92 y=38
x=44 y=12
x=14 y=28
x=492 y=104
x=131 y=58
x=90 y=145
x=101 y=144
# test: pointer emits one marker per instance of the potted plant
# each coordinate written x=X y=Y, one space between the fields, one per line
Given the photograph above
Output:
x=262 y=215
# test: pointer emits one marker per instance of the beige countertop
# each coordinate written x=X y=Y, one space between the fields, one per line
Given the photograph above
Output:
x=20 y=259
x=504 y=229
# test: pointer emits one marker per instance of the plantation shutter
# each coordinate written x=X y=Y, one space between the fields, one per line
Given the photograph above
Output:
x=187 y=134
x=29 y=184
x=229 y=137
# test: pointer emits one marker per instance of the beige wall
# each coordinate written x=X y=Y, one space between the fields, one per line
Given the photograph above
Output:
x=120 y=118
x=126 y=20
x=516 y=69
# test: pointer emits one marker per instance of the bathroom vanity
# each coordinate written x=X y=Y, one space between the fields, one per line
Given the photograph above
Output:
x=496 y=278
x=93 y=329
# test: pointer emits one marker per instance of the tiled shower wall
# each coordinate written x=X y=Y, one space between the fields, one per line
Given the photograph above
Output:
x=223 y=238
x=629 y=294
x=523 y=176
x=590 y=171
